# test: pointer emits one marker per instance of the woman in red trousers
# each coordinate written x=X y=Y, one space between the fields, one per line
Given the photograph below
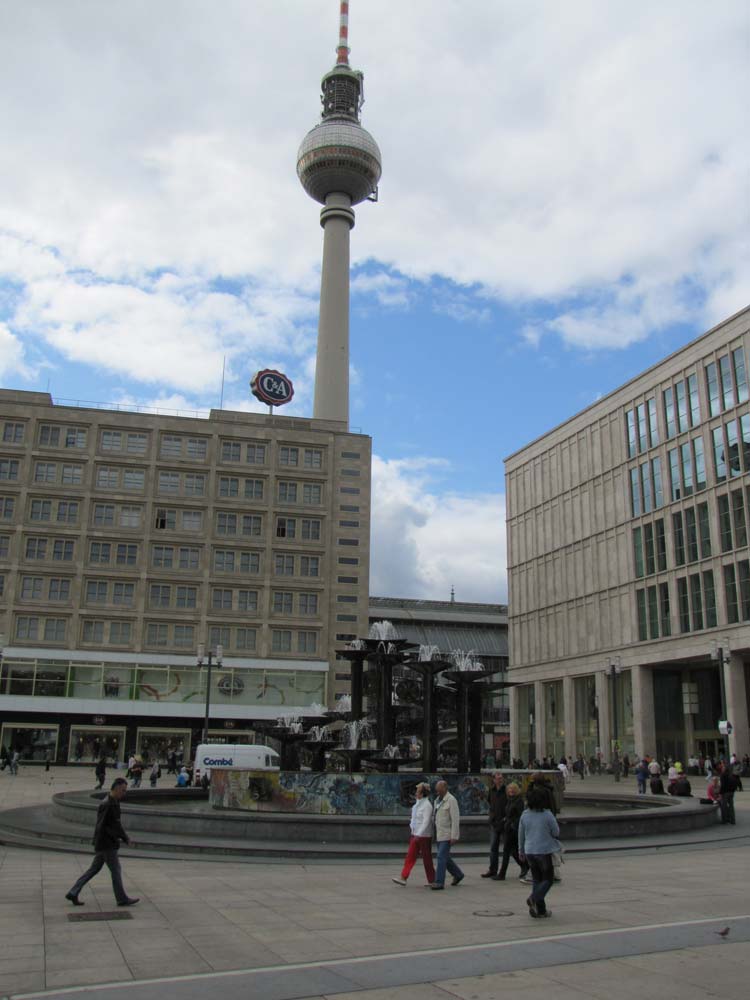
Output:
x=420 y=842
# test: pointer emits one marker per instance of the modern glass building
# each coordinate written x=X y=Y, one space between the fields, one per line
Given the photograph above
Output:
x=629 y=568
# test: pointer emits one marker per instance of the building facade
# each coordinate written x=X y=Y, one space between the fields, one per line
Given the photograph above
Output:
x=628 y=564
x=127 y=539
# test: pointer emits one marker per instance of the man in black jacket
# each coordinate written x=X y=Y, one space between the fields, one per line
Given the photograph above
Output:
x=497 y=800
x=107 y=837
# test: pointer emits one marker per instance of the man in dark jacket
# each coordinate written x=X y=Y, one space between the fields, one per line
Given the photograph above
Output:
x=107 y=836
x=101 y=771
x=497 y=800
x=727 y=787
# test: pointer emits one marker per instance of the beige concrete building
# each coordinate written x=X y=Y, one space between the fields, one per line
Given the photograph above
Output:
x=129 y=538
x=628 y=564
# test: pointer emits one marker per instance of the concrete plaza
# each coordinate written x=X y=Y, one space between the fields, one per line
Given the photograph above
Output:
x=625 y=923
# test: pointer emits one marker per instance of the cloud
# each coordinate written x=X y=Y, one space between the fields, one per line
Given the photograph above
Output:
x=11 y=354
x=427 y=538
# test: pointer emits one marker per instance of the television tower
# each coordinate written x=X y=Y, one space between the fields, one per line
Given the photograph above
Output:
x=339 y=166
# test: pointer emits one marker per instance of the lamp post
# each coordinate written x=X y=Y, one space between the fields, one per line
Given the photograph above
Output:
x=720 y=653
x=201 y=656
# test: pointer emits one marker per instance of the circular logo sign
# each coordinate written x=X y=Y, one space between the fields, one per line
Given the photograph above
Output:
x=271 y=387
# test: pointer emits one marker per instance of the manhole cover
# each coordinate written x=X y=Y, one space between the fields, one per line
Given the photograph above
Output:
x=493 y=913
x=103 y=915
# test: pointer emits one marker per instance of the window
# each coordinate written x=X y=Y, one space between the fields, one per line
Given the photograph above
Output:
x=351 y=508
x=712 y=390
x=247 y=600
x=253 y=489
x=162 y=556
x=67 y=511
x=709 y=599
x=727 y=389
x=740 y=375
x=288 y=456
x=695 y=403
x=13 y=433
x=104 y=515
x=700 y=463
x=41 y=510
x=683 y=604
x=197 y=448
x=725 y=523
x=281 y=641
x=107 y=477
x=169 y=482
x=44 y=472
x=221 y=600
x=136 y=444
x=691 y=535
x=187 y=597
x=36 y=548
x=31 y=588
x=245 y=638
x=229 y=486
x=195 y=484
x=224 y=561
x=184 y=636
x=311 y=493
x=62 y=550
x=745 y=435
x=307 y=642
x=249 y=562
x=287 y=492
x=346 y=618
x=54 y=630
x=348 y=541
x=165 y=519
x=704 y=530
x=218 y=635
x=353 y=490
x=664 y=616
x=226 y=524
x=171 y=446
x=733 y=448
x=126 y=555
x=9 y=470
x=189 y=558
x=93 y=631
x=313 y=458
x=231 y=451
x=720 y=464
x=653 y=612
x=111 y=441
x=284 y=565
x=640 y=414
x=119 y=633
x=352 y=473
x=738 y=518
x=252 y=525
x=682 y=411
x=309 y=566
x=72 y=475
x=282 y=602
x=635 y=492
x=648 y=545
x=730 y=589
x=355 y=579
x=255 y=454
x=646 y=488
x=348 y=561
x=4 y=546
x=352 y=599
x=59 y=589
x=124 y=594
x=75 y=437
x=192 y=520
x=49 y=436
x=678 y=537
x=133 y=479
x=157 y=635
x=687 y=468
x=99 y=552
x=350 y=454
x=286 y=527
x=159 y=595
x=130 y=517
x=696 y=602
x=96 y=592
x=308 y=604
x=669 y=412
x=27 y=628
x=630 y=433
x=355 y=524
x=310 y=529
x=7 y=508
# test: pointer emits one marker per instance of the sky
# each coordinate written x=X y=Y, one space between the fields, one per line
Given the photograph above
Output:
x=564 y=201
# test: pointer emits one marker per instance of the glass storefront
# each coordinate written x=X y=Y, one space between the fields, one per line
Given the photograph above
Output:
x=157 y=744
x=32 y=742
x=526 y=728
x=587 y=738
x=88 y=743
x=622 y=732
x=554 y=720
x=234 y=736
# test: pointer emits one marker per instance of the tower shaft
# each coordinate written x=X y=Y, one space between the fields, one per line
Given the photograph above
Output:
x=332 y=363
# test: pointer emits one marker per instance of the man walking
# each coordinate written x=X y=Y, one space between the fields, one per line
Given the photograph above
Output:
x=446 y=834
x=497 y=801
x=107 y=836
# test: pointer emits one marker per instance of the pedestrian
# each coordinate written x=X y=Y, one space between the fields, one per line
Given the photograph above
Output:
x=15 y=757
x=136 y=772
x=107 y=836
x=580 y=766
x=727 y=786
x=564 y=770
x=513 y=812
x=447 y=831
x=183 y=778
x=641 y=776
x=497 y=798
x=537 y=841
x=47 y=760
x=625 y=765
x=101 y=771
x=154 y=774
x=420 y=839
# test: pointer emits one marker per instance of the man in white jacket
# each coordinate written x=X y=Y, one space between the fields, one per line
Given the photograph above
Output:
x=420 y=842
x=447 y=825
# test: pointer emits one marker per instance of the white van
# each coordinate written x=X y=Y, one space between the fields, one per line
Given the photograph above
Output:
x=237 y=756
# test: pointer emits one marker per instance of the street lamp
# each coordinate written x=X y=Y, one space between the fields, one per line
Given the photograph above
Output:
x=219 y=656
x=720 y=653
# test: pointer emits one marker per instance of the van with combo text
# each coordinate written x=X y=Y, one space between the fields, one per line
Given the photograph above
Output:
x=236 y=756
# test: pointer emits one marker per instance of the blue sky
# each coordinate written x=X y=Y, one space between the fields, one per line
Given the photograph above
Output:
x=564 y=201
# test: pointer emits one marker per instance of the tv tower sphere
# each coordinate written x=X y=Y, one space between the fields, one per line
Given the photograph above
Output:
x=339 y=166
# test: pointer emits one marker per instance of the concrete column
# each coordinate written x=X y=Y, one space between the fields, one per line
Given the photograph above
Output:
x=332 y=365
x=569 y=710
x=602 y=700
x=540 y=728
x=515 y=741
x=736 y=695
x=644 y=723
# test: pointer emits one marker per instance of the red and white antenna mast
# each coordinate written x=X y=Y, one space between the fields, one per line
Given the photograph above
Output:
x=342 y=52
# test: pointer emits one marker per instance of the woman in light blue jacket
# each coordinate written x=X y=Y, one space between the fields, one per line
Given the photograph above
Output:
x=537 y=842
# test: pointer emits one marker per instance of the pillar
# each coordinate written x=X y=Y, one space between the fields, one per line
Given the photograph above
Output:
x=602 y=700
x=332 y=365
x=540 y=728
x=515 y=740
x=737 y=710
x=569 y=714
x=644 y=723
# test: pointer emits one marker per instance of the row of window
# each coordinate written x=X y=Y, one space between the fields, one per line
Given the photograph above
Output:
x=726 y=387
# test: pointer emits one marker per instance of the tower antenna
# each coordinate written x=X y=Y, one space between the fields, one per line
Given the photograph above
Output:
x=342 y=52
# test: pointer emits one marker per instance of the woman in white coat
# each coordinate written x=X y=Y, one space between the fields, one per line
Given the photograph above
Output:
x=420 y=841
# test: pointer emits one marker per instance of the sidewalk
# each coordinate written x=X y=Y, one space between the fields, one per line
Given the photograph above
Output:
x=200 y=918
